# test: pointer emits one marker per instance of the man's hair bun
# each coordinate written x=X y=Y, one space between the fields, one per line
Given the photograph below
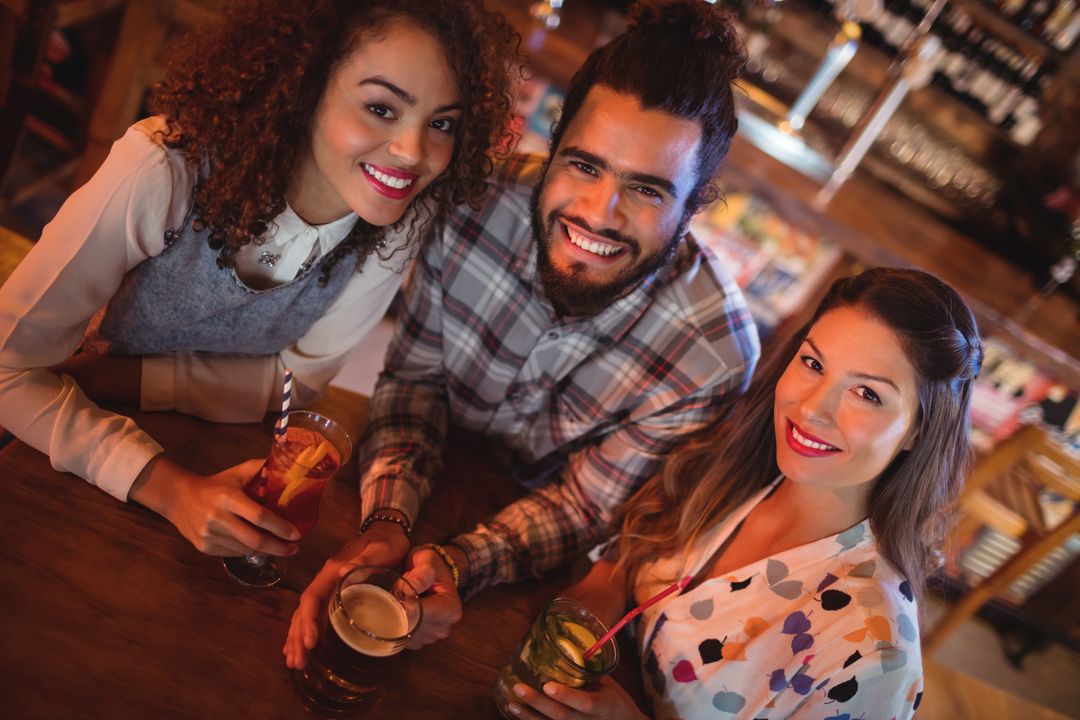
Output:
x=693 y=20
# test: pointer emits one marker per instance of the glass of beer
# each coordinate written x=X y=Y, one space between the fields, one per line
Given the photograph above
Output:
x=554 y=650
x=371 y=615
x=291 y=483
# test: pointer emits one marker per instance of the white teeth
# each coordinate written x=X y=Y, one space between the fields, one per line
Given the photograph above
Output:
x=394 y=182
x=591 y=245
x=806 y=442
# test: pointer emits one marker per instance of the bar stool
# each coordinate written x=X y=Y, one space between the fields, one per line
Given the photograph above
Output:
x=1018 y=468
x=26 y=27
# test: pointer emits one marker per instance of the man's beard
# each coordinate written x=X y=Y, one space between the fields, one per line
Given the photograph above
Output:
x=571 y=292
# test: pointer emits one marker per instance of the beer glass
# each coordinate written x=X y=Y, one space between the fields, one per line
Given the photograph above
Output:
x=370 y=616
x=291 y=483
x=554 y=649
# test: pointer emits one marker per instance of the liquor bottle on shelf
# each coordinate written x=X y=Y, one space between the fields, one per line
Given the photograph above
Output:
x=1063 y=26
x=1034 y=16
x=1010 y=8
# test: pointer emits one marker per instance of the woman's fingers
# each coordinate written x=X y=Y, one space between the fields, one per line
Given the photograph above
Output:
x=533 y=704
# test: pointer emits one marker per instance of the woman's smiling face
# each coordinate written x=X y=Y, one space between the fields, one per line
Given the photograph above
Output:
x=384 y=130
x=847 y=403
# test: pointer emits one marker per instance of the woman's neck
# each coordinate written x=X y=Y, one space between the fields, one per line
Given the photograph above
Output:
x=803 y=513
x=792 y=515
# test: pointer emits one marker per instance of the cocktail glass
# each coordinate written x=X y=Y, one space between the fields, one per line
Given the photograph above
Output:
x=370 y=616
x=554 y=649
x=290 y=483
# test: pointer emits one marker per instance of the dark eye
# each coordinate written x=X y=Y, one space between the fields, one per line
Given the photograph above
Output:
x=381 y=111
x=585 y=168
x=446 y=125
x=648 y=192
x=869 y=395
x=811 y=362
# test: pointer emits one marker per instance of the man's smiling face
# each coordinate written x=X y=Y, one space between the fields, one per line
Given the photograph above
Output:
x=611 y=207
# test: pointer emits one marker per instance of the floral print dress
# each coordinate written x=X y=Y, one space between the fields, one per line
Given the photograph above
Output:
x=826 y=630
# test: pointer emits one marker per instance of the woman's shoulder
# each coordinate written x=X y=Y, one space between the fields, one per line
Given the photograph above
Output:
x=142 y=183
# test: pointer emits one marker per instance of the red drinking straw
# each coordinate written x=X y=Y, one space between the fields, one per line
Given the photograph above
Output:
x=633 y=614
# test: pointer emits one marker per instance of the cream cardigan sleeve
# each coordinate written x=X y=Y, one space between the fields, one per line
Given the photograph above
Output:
x=114 y=222
x=104 y=229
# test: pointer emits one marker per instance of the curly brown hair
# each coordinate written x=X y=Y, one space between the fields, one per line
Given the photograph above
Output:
x=240 y=96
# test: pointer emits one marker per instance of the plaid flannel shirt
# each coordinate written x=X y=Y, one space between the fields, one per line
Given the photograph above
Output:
x=588 y=407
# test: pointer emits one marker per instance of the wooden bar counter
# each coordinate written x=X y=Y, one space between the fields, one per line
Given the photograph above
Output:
x=109 y=613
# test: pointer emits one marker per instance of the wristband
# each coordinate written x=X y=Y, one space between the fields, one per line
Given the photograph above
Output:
x=381 y=516
x=441 y=552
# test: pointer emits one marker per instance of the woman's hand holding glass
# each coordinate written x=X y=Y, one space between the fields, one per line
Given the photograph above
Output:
x=607 y=700
x=212 y=512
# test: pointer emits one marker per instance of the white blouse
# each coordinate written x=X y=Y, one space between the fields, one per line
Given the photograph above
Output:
x=106 y=228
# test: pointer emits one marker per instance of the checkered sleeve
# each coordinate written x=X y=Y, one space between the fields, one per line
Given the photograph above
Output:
x=402 y=449
x=553 y=524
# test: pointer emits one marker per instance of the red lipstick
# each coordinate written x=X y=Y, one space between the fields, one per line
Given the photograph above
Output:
x=803 y=449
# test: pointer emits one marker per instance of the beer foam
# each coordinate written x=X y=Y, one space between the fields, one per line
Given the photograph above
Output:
x=376 y=611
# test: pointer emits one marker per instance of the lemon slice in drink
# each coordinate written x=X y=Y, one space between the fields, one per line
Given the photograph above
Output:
x=574 y=653
x=296 y=477
x=581 y=634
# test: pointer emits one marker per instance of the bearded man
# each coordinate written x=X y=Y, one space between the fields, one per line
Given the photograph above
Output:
x=571 y=321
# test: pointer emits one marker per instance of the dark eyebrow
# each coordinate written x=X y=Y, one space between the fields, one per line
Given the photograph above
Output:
x=404 y=95
x=644 y=178
x=861 y=376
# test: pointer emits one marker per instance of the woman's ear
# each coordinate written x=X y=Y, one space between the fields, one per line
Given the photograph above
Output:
x=912 y=438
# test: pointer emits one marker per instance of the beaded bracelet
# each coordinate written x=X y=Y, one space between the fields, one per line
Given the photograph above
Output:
x=441 y=552
x=381 y=516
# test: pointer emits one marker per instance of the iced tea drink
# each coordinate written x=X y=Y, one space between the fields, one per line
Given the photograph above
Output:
x=291 y=483
x=292 y=480
x=554 y=650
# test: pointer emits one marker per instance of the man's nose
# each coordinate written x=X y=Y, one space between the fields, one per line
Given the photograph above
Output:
x=600 y=205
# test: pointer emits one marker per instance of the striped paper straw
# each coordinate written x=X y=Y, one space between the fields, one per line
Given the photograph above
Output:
x=286 y=397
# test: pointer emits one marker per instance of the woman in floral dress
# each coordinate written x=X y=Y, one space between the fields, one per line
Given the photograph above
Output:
x=803 y=527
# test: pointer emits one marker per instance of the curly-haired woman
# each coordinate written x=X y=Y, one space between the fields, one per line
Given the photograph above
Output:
x=261 y=220
x=802 y=527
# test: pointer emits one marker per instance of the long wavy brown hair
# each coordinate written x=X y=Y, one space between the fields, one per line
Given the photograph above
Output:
x=909 y=504
x=240 y=95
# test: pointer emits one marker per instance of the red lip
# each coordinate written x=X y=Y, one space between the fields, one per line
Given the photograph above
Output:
x=582 y=253
x=384 y=189
x=393 y=172
x=802 y=449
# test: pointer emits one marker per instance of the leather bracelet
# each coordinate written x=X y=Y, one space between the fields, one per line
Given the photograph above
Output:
x=381 y=516
x=441 y=552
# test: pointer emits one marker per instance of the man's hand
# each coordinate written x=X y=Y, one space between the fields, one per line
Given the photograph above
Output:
x=213 y=512
x=559 y=702
x=430 y=575
x=383 y=544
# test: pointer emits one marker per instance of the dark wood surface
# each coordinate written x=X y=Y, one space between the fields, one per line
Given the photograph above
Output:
x=109 y=613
